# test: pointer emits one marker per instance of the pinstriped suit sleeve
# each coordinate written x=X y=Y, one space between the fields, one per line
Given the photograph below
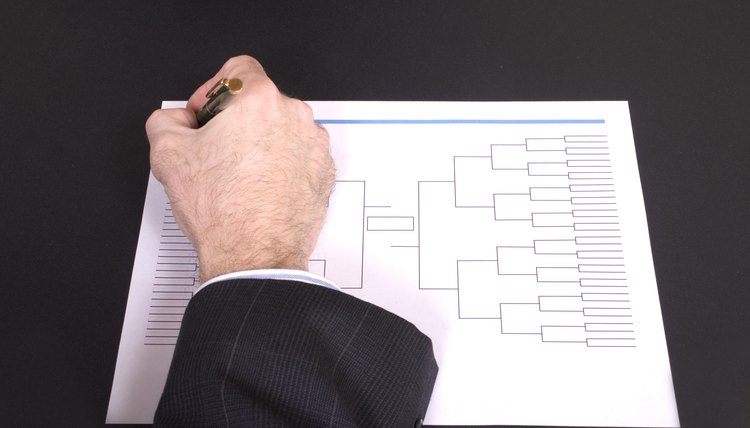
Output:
x=267 y=353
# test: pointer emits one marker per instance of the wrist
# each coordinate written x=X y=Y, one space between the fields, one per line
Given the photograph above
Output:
x=216 y=262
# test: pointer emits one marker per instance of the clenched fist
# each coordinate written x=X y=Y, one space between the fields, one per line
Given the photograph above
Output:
x=251 y=187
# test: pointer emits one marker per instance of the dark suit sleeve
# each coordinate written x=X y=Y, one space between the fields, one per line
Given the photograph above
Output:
x=282 y=353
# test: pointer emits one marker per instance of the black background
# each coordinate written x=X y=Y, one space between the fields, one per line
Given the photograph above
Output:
x=80 y=78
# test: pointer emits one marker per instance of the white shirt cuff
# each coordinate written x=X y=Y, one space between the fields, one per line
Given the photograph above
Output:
x=282 y=274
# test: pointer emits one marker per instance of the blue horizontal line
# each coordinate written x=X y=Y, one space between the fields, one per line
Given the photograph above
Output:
x=454 y=121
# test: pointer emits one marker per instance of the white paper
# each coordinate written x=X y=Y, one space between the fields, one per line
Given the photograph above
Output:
x=512 y=234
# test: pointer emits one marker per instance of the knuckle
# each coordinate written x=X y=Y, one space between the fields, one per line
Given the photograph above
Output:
x=154 y=121
x=323 y=138
x=324 y=135
x=304 y=111
x=330 y=179
x=244 y=62
x=242 y=65
x=266 y=88
x=331 y=173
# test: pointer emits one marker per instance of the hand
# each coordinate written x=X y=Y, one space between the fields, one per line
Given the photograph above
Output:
x=250 y=188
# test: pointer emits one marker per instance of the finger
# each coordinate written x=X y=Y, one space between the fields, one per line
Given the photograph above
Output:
x=242 y=67
x=165 y=122
x=323 y=136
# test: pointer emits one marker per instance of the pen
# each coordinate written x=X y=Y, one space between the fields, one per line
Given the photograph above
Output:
x=218 y=97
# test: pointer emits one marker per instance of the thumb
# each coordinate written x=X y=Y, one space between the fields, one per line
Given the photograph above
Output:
x=165 y=122
x=166 y=130
x=168 y=121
